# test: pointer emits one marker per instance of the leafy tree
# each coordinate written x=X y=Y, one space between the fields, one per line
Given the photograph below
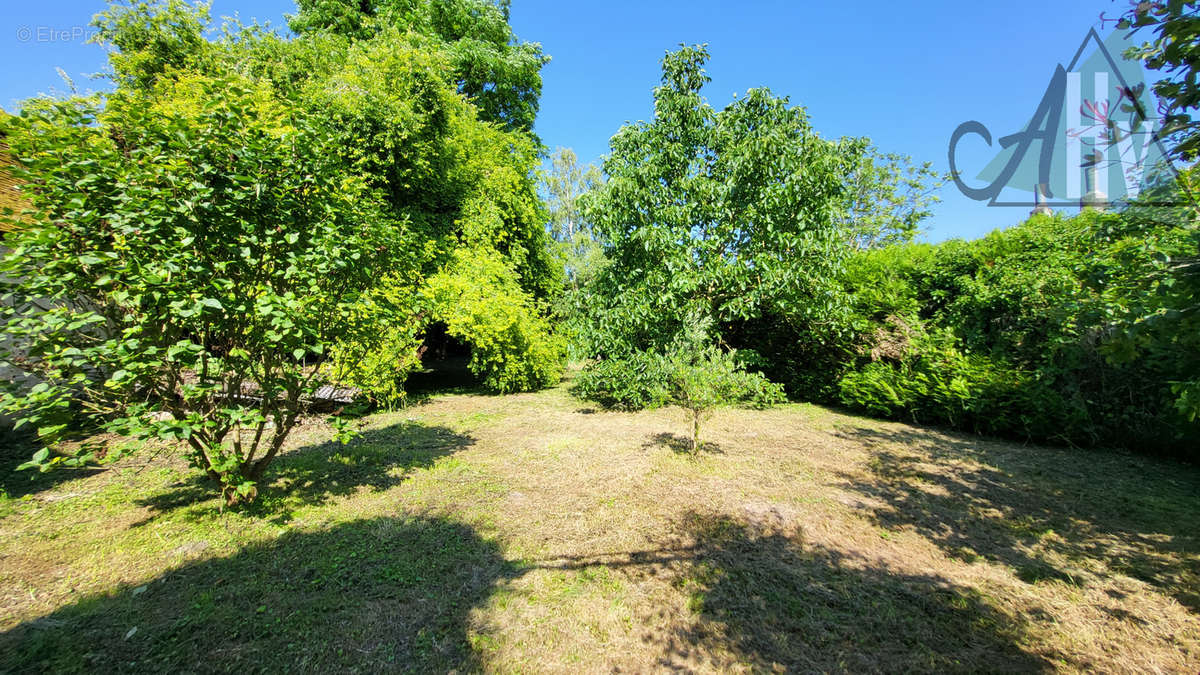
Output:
x=576 y=243
x=457 y=182
x=735 y=212
x=196 y=255
x=564 y=185
x=497 y=72
x=889 y=197
x=247 y=218
x=1154 y=290
x=151 y=39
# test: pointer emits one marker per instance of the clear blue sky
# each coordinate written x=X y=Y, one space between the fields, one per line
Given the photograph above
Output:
x=903 y=74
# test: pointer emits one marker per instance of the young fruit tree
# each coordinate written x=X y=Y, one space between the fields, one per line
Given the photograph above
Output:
x=699 y=377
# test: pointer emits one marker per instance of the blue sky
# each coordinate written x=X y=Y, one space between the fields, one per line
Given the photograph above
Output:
x=903 y=74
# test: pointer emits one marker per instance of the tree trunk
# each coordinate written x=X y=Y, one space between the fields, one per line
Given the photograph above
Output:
x=695 y=432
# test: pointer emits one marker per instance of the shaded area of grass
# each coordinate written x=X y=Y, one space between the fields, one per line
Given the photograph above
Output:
x=781 y=604
x=1046 y=514
x=378 y=594
x=681 y=445
x=376 y=460
x=16 y=448
x=759 y=593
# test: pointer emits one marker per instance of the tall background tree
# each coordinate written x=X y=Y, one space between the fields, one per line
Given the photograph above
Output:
x=564 y=186
x=889 y=198
x=497 y=72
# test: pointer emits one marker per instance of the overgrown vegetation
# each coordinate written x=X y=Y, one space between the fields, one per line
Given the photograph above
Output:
x=246 y=219
x=799 y=250
x=249 y=219
x=1062 y=329
x=251 y=228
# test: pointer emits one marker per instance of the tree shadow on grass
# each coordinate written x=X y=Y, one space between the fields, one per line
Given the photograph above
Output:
x=681 y=445
x=16 y=448
x=1075 y=516
x=367 y=596
x=759 y=595
x=779 y=604
x=312 y=475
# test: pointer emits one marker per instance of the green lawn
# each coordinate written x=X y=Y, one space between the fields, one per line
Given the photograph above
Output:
x=530 y=533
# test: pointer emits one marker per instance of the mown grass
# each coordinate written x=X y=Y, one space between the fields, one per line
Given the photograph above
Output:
x=530 y=533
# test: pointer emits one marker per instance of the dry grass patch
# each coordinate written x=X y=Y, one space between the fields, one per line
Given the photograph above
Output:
x=531 y=533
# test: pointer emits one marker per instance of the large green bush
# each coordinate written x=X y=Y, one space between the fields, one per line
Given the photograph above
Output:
x=198 y=243
x=1059 y=329
x=631 y=382
x=245 y=218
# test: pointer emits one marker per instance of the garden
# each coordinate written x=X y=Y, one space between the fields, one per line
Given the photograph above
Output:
x=316 y=358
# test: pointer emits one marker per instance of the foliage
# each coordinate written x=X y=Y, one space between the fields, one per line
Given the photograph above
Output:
x=939 y=383
x=1070 y=330
x=1174 y=49
x=575 y=241
x=699 y=376
x=461 y=184
x=379 y=346
x=889 y=197
x=246 y=218
x=631 y=382
x=500 y=75
x=733 y=212
x=391 y=106
x=1154 y=287
x=564 y=185
x=151 y=39
x=481 y=302
x=197 y=245
x=1164 y=309
x=743 y=216
x=692 y=373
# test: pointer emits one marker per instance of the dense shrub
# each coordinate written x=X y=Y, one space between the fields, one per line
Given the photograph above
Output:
x=936 y=383
x=244 y=218
x=1027 y=333
x=632 y=382
x=198 y=243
